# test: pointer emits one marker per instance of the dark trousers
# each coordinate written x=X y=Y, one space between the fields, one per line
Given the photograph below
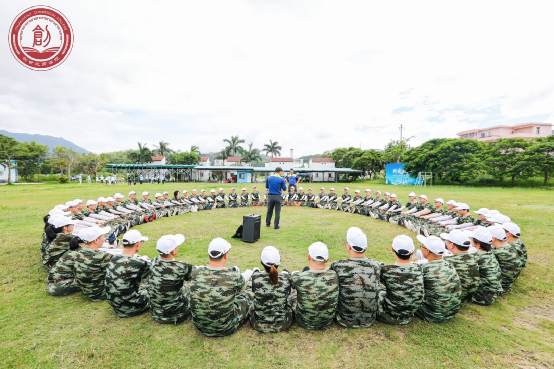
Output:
x=273 y=201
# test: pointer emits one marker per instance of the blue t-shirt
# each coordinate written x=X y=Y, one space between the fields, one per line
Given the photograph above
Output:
x=275 y=184
x=292 y=180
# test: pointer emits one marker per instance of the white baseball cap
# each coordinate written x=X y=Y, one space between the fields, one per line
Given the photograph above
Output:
x=132 y=193
x=462 y=206
x=118 y=196
x=158 y=194
x=55 y=212
x=512 y=228
x=300 y=188
x=331 y=189
x=169 y=242
x=433 y=244
x=377 y=191
x=167 y=193
x=440 y=199
x=318 y=251
x=457 y=237
x=133 y=236
x=500 y=219
x=482 y=211
x=393 y=195
x=218 y=247
x=110 y=199
x=254 y=187
x=221 y=189
x=368 y=190
x=322 y=188
x=346 y=188
x=61 y=221
x=481 y=234
x=185 y=191
x=79 y=200
x=497 y=232
x=60 y=207
x=91 y=202
x=145 y=193
x=244 y=188
x=357 y=239
x=71 y=204
x=91 y=233
x=403 y=244
x=387 y=193
x=202 y=190
x=101 y=199
x=212 y=190
x=491 y=213
x=194 y=190
x=270 y=255
x=412 y=194
x=451 y=202
x=357 y=191
x=423 y=197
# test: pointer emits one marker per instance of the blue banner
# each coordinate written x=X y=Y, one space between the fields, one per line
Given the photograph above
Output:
x=396 y=175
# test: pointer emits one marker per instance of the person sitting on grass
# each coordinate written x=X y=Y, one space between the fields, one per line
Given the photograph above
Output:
x=513 y=237
x=507 y=256
x=61 y=278
x=169 y=296
x=490 y=276
x=59 y=234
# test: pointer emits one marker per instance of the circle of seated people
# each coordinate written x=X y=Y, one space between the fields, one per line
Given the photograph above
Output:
x=461 y=260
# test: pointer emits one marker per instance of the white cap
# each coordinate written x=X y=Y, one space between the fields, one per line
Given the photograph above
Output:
x=462 y=206
x=221 y=189
x=244 y=188
x=451 y=202
x=110 y=199
x=118 y=196
x=270 y=255
x=423 y=197
x=457 y=237
x=322 y=188
x=254 y=187
x=500 y=219
x=232 y=188
x=165 y=193
x=497 y=232
x=368 y=190
x=194 y=190
x=79 y=200
x=71 y=204
x=101 y=199
x=55 y=212
x=145 y=193
x=346 y=188
x=403 y=243
x=357 y=239
x=411 y=194
x=433 y=244
x=202 y=190
x=392 y=195
x=132 y=193
x=169 y=242
x=60 y=221
x=318 y=251
x=491 y=213
x=377 y=191
x=512 y=228
x=387 y=193
x=482 y=211
x=91 y=202
x=90 y=234
x=331 y=189
x=132 y=237
x=60 y=207
x=481 y=234
x=218 y=247
x=212 y=190
x=357 y=191
x=440 y=199
x=299 y=188
x=158 y=194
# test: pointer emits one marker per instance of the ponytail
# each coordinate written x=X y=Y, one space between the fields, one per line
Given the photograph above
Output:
x=273 y=273
x=485 y=246
x=74 y=243
x=51 y=232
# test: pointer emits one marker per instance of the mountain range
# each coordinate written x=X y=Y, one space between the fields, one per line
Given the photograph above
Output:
x=51 y=141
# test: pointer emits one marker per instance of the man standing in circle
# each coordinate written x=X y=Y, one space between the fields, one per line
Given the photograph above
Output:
x=275 y=184
x=292 y=179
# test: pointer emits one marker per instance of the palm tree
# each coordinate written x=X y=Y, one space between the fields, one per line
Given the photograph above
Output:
x=272 y=148
x=223 y=154
x=251 y=155
x=234 y=145
x=162 y=149
x=142 y=155
x=195 y=149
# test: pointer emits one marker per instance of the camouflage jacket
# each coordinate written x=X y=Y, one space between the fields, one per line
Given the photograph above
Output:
x=90 y=272
x=168 y=298
x=490 y=276
x=78 y=216
x=124 y=277
x=430 y=207
x=510 y=264
x=409 y=205
x=310 y=199
x=245 y=197
x=222 y=195
x=521 y=250
x=467 y=219
x=43 y=245
x=404 y=289
x=321 y=195
x=395 y=203
x=64 y=268
x=86 y=212
x=271 y=313
x=232 y=197
x=468 y=270
x=367 y=198
x=358 y=291
x=212 y=300
x=317 y=299
x=255 y=196
x=419 y=206
x=56 y=248
x=345 y=197
x=481 y=223
x=442 y=292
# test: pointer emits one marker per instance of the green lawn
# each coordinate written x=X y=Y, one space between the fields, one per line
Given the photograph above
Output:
x=38 y=330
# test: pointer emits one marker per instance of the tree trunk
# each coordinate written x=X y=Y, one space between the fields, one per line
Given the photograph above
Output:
x=546 y=176
x=69 y=173
x=9 y=171
x=513 y=181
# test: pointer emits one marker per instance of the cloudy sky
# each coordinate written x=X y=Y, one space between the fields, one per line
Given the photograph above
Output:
x=312 y=75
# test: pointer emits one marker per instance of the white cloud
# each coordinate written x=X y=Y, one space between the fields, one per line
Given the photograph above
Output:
x=312 y=75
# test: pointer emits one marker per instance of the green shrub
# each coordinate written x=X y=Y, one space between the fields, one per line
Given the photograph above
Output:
x=63 y=179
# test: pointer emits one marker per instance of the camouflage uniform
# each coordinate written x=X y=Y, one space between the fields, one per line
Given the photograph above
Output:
x=217 y=303
x=399 y=217
x=381 y=213
x=233 y=200
x=169 y=296
x=442 y=292
x=468 y=270
x=510 y=265
x=126 y=277
x=423 y=222
x=148 y=212
x=358 y=291
x=56 y=248
x=310 y=201
x=403 y=293
x=270 y=313
x=316 y=299
x=256 y=198
x=90 y=272
x=355 y=209
x=376 y=209
x=244 y=202
x=78 y=216
x=490 y=278
x=433 y=227
x=220 y=203
x=333 y=204
x=43 y=246
x=392 y=203
x=521 y=250
x=345 y=197
x=481 y=223
x=322 y=195
x=364 y=209
x=61 y=278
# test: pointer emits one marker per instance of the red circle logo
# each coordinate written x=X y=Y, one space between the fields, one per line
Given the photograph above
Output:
x=41 y=38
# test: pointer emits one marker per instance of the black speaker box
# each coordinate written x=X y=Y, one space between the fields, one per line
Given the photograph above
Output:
x=251 y=227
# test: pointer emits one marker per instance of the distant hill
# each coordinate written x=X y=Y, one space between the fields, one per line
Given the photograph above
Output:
x=308 y=157
x=51 y=141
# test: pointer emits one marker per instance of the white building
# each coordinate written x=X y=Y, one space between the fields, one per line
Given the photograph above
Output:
x=158 y=160
x=202 y=175
x=4 y=174
x=234 y=161
x=322 y=163
x=286 y=163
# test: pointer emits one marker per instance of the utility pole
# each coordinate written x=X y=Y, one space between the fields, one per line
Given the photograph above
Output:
x=401 y=129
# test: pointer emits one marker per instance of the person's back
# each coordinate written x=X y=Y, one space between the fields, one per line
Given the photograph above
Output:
x=169 y=301
x=61 y=278
x=271 y=314
x=507 y=256
x=56 y=248
x=468 y=270
x=490 y=279
x=90 y=272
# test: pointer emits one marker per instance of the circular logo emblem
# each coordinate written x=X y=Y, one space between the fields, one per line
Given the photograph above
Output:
x=41 y=38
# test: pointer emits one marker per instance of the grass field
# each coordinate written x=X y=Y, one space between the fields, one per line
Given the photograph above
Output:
x=38 y=330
